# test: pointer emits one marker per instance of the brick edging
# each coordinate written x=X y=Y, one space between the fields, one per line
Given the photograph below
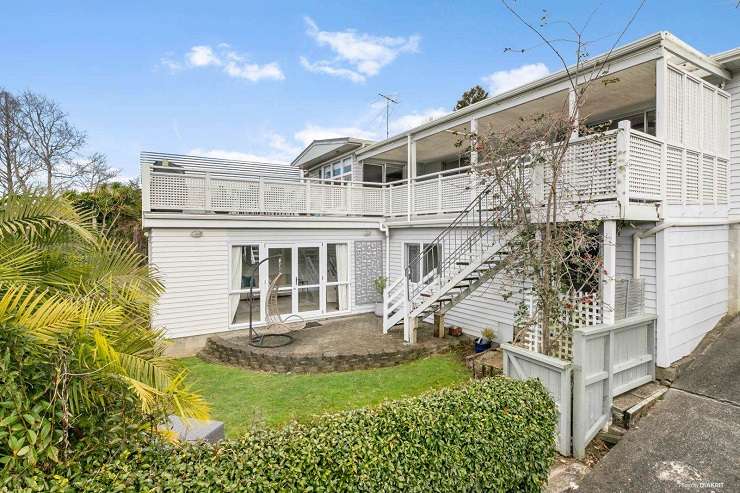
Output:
x=220 y=350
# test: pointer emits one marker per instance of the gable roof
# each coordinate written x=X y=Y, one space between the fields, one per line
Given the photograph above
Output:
x=325 y=149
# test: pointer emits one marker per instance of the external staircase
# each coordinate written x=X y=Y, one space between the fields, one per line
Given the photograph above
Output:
x=466 y=254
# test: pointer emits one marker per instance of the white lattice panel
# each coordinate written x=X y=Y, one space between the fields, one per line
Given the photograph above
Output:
x=675 y=106
x=692 y=176
x=721 y=189
x=583 y=310
x=328 y=199
x=398 y=199
x=368 y=200
x=693 y=116
x=674 y=174
x=644 y=167
x=234 y=195
x=707 y=179
x=723 y=115
x=177 y=191
x=284 y=198
x=589 y=169
x=426 y=196
x=456 y=192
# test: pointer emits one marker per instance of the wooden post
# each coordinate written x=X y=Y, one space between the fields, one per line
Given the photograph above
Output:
x=439 y=193
x=413 y=326
x=410 y=173
x=661 y=121
x=308 y=197
x=439 y=325
x=573 y=112
x=474 y=142
x=608 y=281
x=623 y=157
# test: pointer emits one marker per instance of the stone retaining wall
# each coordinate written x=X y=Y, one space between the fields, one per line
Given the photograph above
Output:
x=222 y=350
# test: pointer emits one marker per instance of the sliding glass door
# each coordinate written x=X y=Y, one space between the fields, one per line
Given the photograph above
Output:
x=309 y=279
x=314 y=279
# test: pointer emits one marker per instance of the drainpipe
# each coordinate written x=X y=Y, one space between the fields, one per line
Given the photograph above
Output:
x=387 y=268
x=662 y=227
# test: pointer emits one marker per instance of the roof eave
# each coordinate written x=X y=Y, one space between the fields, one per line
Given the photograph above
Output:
x=640 y=44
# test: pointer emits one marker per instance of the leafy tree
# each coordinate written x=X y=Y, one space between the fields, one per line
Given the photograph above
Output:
x=82 y=368
x=115 y=209
x=472 y=95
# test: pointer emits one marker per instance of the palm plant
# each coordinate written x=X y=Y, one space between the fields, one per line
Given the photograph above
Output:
x=75 y=332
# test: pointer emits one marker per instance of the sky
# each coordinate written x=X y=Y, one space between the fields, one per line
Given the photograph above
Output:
x=260 y=80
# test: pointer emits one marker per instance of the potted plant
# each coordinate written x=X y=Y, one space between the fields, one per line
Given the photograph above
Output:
x=380 y=283
x=484 y=342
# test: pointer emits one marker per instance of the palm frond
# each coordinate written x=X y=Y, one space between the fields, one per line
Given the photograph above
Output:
x=37 y=216
x=19 y=262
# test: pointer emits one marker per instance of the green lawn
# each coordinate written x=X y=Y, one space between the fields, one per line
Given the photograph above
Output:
x=241 y=398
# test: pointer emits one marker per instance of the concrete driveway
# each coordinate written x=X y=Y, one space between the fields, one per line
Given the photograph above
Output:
x=690 y=441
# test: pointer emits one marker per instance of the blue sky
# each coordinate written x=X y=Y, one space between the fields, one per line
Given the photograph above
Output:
x=260 y=79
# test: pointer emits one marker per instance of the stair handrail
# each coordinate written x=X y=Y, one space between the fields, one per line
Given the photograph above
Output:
x=496 y=212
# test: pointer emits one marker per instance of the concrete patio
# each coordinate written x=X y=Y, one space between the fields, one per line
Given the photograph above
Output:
x=339 y=344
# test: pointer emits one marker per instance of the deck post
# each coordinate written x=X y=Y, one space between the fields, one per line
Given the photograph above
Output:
x=350 y=203
x=439 y=325
x=410 y=174
x=573 y=112
x=439 y=193
x=413 y=326
x=623 y=157
x=608 y=281
x=474 y=142
x=308 y=196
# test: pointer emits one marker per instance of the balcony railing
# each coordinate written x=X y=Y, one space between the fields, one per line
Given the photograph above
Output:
x=623 y=165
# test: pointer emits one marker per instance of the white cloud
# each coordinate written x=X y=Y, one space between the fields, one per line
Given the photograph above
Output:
x=411 y=120
x=357 y=56
x=202 y=56
x=326 y=68
x=231 y=63
x=505 y=80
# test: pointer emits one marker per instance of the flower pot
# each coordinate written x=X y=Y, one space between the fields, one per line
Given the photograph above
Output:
x=455 y=331
x=481 y=346
x=379 y=309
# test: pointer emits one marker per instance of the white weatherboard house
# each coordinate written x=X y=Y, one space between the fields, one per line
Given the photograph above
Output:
x=667 y=181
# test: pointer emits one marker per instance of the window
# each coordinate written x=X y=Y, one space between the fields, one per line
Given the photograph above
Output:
x=339 y=170
x=431 y=260
x=243 y=275
x=643 y=121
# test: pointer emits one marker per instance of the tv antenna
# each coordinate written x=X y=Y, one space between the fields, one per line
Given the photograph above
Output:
x=388 y=101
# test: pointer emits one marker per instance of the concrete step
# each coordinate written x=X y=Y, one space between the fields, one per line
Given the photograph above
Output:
x=628 y=408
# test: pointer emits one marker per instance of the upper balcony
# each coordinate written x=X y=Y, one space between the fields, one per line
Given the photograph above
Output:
x=666 y=157
x=622 y=168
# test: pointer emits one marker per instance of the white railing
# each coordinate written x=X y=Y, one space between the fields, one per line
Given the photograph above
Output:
x=620 y=165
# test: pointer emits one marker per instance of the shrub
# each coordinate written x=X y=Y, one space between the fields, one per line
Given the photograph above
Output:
x=80 y=366
x=491 y=435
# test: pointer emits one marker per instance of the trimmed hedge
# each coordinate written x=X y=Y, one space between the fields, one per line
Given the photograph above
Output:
x=495 y=434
